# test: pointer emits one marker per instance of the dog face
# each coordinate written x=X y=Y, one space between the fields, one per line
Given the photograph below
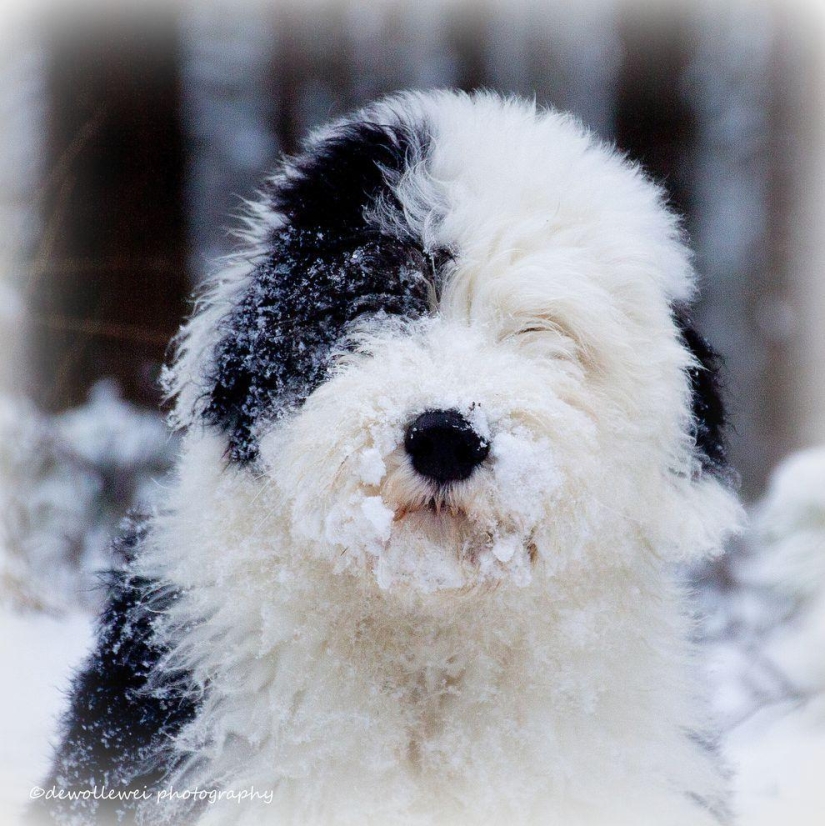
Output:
x=458 y=356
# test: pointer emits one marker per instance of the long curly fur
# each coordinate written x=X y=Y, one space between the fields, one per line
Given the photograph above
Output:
x=313 y=616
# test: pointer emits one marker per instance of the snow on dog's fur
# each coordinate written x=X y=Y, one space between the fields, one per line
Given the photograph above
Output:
x=312 y=616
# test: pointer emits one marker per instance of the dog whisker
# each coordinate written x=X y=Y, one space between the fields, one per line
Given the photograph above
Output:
x=264 y=488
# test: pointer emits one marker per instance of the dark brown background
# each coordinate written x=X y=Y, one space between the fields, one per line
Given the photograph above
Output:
x=155 y=125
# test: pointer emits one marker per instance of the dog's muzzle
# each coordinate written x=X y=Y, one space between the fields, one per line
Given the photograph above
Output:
x=444 y=447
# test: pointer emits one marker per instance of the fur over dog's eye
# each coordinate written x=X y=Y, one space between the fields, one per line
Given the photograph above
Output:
x=549 y=333
x=549 y=340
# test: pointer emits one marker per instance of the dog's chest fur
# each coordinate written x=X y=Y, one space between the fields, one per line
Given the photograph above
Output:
x=356 y=706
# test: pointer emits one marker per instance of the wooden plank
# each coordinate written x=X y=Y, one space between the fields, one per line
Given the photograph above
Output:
x=110 y=277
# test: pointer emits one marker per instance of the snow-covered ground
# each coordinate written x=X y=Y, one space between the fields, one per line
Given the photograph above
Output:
x=766 y=638
x=38 y=653
x=66 y=481
x=779 y=756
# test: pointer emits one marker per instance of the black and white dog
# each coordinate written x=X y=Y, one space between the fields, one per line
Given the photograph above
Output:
x=448 y=427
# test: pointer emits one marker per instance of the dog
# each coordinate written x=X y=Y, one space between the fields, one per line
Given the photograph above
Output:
x=448 y=430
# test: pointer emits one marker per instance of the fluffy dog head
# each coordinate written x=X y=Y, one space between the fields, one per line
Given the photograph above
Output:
x=458 y=355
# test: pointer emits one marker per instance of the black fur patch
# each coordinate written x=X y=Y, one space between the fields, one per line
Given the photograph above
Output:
x=118 y=728
x=328 y=266
x=709 y=416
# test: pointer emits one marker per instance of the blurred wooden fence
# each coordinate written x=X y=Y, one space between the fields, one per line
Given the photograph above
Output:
x=156 y=125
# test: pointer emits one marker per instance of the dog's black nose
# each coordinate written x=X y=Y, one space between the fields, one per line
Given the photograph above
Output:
x=443 y=446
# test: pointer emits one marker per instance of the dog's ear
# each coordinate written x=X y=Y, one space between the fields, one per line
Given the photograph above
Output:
x=326 y=263
x=709 y=417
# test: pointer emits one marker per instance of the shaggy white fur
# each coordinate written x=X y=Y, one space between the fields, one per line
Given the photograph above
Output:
x=515 y=651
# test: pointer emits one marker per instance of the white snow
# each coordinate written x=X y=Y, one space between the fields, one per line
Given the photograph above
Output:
x=505 y=547
x=778 y=756
x=66 y=480
x=378 y=515
x=767 y=640
x=39 y=653
x=371 y=467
